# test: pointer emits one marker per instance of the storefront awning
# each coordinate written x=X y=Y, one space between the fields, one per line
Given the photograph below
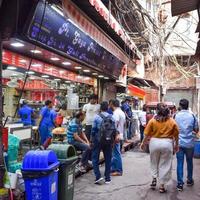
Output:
x=142 y=82
x=136 y=91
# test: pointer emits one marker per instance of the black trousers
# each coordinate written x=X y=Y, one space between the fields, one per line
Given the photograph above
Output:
x=88 y=130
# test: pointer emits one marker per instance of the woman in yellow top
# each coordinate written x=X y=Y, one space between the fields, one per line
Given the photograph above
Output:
x=163 y=131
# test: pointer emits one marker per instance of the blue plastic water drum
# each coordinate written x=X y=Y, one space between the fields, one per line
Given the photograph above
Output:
x=197 y=149
x=40 y=174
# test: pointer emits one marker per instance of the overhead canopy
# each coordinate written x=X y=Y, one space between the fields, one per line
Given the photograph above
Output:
x=136 y=91
x=142 y=82
x=183 y=6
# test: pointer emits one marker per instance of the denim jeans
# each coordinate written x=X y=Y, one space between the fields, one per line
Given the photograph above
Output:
x=86 y=151
x=116 y=164
x=189 y=153
x=129 y=131
x=107 y=152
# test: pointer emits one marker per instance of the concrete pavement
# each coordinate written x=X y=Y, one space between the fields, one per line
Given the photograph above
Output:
x=134 y=184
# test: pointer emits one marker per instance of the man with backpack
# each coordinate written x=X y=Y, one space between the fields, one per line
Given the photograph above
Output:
x=103 y=137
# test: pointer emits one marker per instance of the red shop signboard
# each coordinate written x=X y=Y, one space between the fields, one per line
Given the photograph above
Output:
x=17 y=60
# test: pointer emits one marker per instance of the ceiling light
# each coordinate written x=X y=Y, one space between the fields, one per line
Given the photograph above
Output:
x=67 y=81
x=45 y=76
x=57 y=79
x=30 y=72
x=95 y=74
x=32 y=78
x=55 y=58
x=11 y=68
x=106 y=78
x=66 y=63
x=35 y=51
x=36 y=65
x=78 y=67
x=86 y=70
x=22 y=61
x=17 y=44
x=101 y=76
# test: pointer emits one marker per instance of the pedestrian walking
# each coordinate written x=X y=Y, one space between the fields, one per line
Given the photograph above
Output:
x=163 y=131
x=103 y=137
x=91 y=110
x=188 y=127
x=126 y=107
x=46 y=123
x=120 y=122
x=78 y=139
x=143 y=121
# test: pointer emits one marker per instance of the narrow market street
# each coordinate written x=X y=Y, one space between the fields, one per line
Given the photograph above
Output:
x=134 y=184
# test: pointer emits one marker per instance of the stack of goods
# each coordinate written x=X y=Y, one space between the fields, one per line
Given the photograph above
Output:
x=13 y=149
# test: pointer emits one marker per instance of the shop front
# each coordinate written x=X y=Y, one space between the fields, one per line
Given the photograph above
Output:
x=57 y=55
x=44 y=82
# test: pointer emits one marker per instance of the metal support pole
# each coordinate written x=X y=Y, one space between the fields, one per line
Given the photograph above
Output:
x=2 y=167
x=198 y=94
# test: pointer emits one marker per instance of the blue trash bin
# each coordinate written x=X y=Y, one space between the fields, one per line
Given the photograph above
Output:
x=40 y=173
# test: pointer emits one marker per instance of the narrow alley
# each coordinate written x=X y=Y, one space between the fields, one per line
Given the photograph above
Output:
x=134 y=184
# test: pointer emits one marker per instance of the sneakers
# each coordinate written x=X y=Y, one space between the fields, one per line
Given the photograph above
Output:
x=180 y=187
x=98 y=180
x=190 y=183
x=107 y=182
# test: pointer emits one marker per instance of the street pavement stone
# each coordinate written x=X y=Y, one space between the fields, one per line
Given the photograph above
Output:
x=134 y=184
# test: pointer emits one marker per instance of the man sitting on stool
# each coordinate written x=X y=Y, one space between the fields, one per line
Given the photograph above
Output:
x=78 y=139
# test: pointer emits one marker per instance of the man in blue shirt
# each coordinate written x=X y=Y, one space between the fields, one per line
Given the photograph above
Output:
x=78 y=139
x=129 y=114
x=188 y=127
x=25 y=113
x=46 y=123
x=98 y=146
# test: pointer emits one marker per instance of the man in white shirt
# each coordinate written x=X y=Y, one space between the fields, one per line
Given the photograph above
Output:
x=91 y=110
x=142 y=121
x=120 y=121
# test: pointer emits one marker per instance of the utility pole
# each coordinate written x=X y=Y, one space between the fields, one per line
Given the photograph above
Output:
x=198 y=91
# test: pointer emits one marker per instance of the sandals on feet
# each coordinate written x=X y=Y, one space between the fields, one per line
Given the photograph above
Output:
x=153 y=184
x=162 y=190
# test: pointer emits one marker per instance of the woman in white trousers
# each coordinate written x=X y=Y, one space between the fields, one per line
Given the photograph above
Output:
x=163 y=132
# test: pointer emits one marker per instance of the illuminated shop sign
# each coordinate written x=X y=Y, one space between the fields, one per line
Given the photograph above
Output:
x=61 y=35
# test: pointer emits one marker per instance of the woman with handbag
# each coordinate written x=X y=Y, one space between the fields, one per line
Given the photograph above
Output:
x=163 y=131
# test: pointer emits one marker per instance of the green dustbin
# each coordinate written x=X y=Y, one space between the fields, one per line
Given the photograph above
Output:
x=67 y=157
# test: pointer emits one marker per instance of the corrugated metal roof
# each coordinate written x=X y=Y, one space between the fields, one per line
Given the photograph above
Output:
x=182 y=6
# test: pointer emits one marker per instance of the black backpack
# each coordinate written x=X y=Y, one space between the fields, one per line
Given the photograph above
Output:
x=107 y=130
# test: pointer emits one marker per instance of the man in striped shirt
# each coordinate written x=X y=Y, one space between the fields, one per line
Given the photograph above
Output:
x=78 y=139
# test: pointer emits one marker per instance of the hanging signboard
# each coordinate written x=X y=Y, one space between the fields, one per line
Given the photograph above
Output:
x=61 y=35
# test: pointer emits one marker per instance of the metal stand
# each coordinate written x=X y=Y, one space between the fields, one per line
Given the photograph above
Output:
x=2 y=167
